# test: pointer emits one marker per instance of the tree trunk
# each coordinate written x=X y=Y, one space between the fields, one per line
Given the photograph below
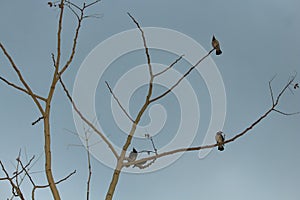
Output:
x=48 y=159
x=113 y=183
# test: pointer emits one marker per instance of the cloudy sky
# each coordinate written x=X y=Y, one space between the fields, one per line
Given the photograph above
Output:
x=259 y=39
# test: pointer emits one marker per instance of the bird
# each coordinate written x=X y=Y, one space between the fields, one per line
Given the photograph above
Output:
x=216 y=45
x=133 y=155
x=220 y=139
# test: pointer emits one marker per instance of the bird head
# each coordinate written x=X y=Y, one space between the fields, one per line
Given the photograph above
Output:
x=219 y=133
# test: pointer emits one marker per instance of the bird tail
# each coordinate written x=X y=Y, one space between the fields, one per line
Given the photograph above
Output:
x=221 y=147
x=218 y=52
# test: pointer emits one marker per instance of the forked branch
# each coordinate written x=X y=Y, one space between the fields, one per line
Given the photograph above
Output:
x=163 y=71
x=197 y=148
x=179 y=80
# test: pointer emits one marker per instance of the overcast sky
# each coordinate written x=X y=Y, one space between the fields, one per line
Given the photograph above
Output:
x=259 y=39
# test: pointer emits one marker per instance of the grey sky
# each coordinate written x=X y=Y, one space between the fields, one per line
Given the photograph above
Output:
x=258 y=38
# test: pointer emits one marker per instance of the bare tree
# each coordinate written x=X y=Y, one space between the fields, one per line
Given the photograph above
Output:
x=44 y=106
x=44 y=103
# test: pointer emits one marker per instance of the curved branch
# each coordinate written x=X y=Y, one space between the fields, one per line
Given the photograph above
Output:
x=86 y=120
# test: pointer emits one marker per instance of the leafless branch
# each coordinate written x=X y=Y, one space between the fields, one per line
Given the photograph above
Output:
x=64 y=179
x=17 y=170
x=21 y=89
x=20 y=76
x=284 y=113
x=147 y=102
x=36 y=121
x=284 y=89
x=74 y=45
x=88 y=145
x=197 y=148
x=88 y=184
x=145 y=45
x=103 y=137
x=170 y=66
x=92 y=3
x=70 y=6
x=48 y=185
x=25 y=170
x=119 y=103
x=47 y=135
x=120 y=164
x=153 y=145
x=145 y=105
x=270 y=87
x=179 y=80
x=80 y=18
x=16 y=190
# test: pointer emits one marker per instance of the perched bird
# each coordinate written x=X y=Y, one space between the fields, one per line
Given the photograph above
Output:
x=220 y=139
x=216 y=45
x=133 y=155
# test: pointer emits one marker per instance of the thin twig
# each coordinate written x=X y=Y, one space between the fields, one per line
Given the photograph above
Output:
x=21 y=89
x=73 y=4
x=36 y=121
x=56 y=183
x=283 y=90
x=145 y=44
x=119 y=103
x=284 y=113
x=270 y=87
x=179 y=80
x=92 y=3
x=80 y=18
x=20 y=76
x=86 y=120
x=163 y=71
x=69 y=5
x=89 y=165
x=26 y=172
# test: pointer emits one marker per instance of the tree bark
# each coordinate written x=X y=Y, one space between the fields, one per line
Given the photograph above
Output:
x=48 y=159
x=114 y=181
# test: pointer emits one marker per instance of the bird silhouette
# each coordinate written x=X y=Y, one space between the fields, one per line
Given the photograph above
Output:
x=216 y=45
x=220 y=139
x=133 y=155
